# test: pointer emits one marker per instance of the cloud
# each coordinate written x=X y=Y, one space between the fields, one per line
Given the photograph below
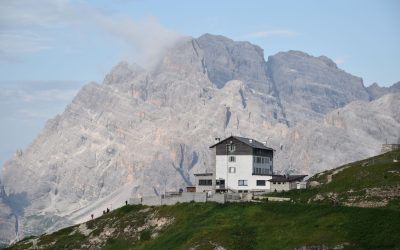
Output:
x=146 y=37
x=28 y=92
x=339 y=61
x=272 y=33
x=17 y=43
x=29 y=27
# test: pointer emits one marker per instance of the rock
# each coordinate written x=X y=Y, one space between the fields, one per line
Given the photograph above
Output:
x=310 y=87
x=375 y=91
x=312 y=184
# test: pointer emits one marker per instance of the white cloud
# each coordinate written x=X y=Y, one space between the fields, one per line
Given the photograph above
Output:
x=17 y=43
x=28 y=92
x=339 y=61
x=272 y=33
x=28 y=27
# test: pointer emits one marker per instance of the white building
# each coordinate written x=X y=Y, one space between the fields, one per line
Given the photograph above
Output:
x=204 y=182
x=242 y=165
x=280 y=183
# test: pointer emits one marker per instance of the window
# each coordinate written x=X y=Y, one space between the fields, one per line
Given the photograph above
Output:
x=260 y=182
x=205 y=182
x=262 y=160
x=274 y=182
x=232 y=159
x=220 y=182
x=231 y=147
x=242 y=182
x=260 y=171
x=232 y=170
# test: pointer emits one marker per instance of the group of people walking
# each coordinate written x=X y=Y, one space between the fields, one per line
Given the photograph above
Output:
x=107 y=211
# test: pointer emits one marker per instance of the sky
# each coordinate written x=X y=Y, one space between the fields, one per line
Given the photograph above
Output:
x=50 y=48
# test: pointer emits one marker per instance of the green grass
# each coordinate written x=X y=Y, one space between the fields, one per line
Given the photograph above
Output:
x=277 y=226
x=241 y=226
x=376 y=172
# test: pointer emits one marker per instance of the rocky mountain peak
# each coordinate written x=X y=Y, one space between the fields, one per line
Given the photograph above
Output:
x=311 y=86
x=123 y=72
x=227 y=60
x=375 y=91
x=329 y=62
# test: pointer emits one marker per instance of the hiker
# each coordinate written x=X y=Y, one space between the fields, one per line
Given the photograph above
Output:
x=126 y=203
x=92 y=216
x=104 y=212
x=108 y=210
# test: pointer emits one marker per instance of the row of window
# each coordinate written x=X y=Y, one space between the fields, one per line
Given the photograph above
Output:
x=262 y=170
x=232 y=170
x=261 y=160
x=205 y=182
x=256 y=159
x=240 y=182
x=258 y=183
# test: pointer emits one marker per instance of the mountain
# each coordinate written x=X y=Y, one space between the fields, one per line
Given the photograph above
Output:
x=344 y=135
x=146 y=131
x=375 y=91
x=310 y=87
x=315 y=219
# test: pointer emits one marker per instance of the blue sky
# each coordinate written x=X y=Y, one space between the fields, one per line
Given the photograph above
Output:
x=50 y=48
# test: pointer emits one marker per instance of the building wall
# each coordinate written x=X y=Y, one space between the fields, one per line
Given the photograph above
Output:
x=283 y=186
x=204 y=188
x=244 y=171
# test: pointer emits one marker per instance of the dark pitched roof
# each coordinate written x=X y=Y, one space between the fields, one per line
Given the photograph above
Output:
x=287 y=178
x=253 y=143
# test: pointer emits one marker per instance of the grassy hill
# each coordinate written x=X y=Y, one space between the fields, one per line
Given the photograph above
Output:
x=317 y=217
x=231 y=226
x=373 y=182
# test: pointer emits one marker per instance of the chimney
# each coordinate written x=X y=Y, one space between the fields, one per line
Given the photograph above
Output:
x=251 y=140
x=265 y=143
x=217 y=139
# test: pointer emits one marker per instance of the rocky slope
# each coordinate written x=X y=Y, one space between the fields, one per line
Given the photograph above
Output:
x=347 y=134
x=146 y=131
x=375 y=91
x=310 y=87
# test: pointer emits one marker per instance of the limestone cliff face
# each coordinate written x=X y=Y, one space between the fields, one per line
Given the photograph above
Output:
x=144 y=132
x=309 y=87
